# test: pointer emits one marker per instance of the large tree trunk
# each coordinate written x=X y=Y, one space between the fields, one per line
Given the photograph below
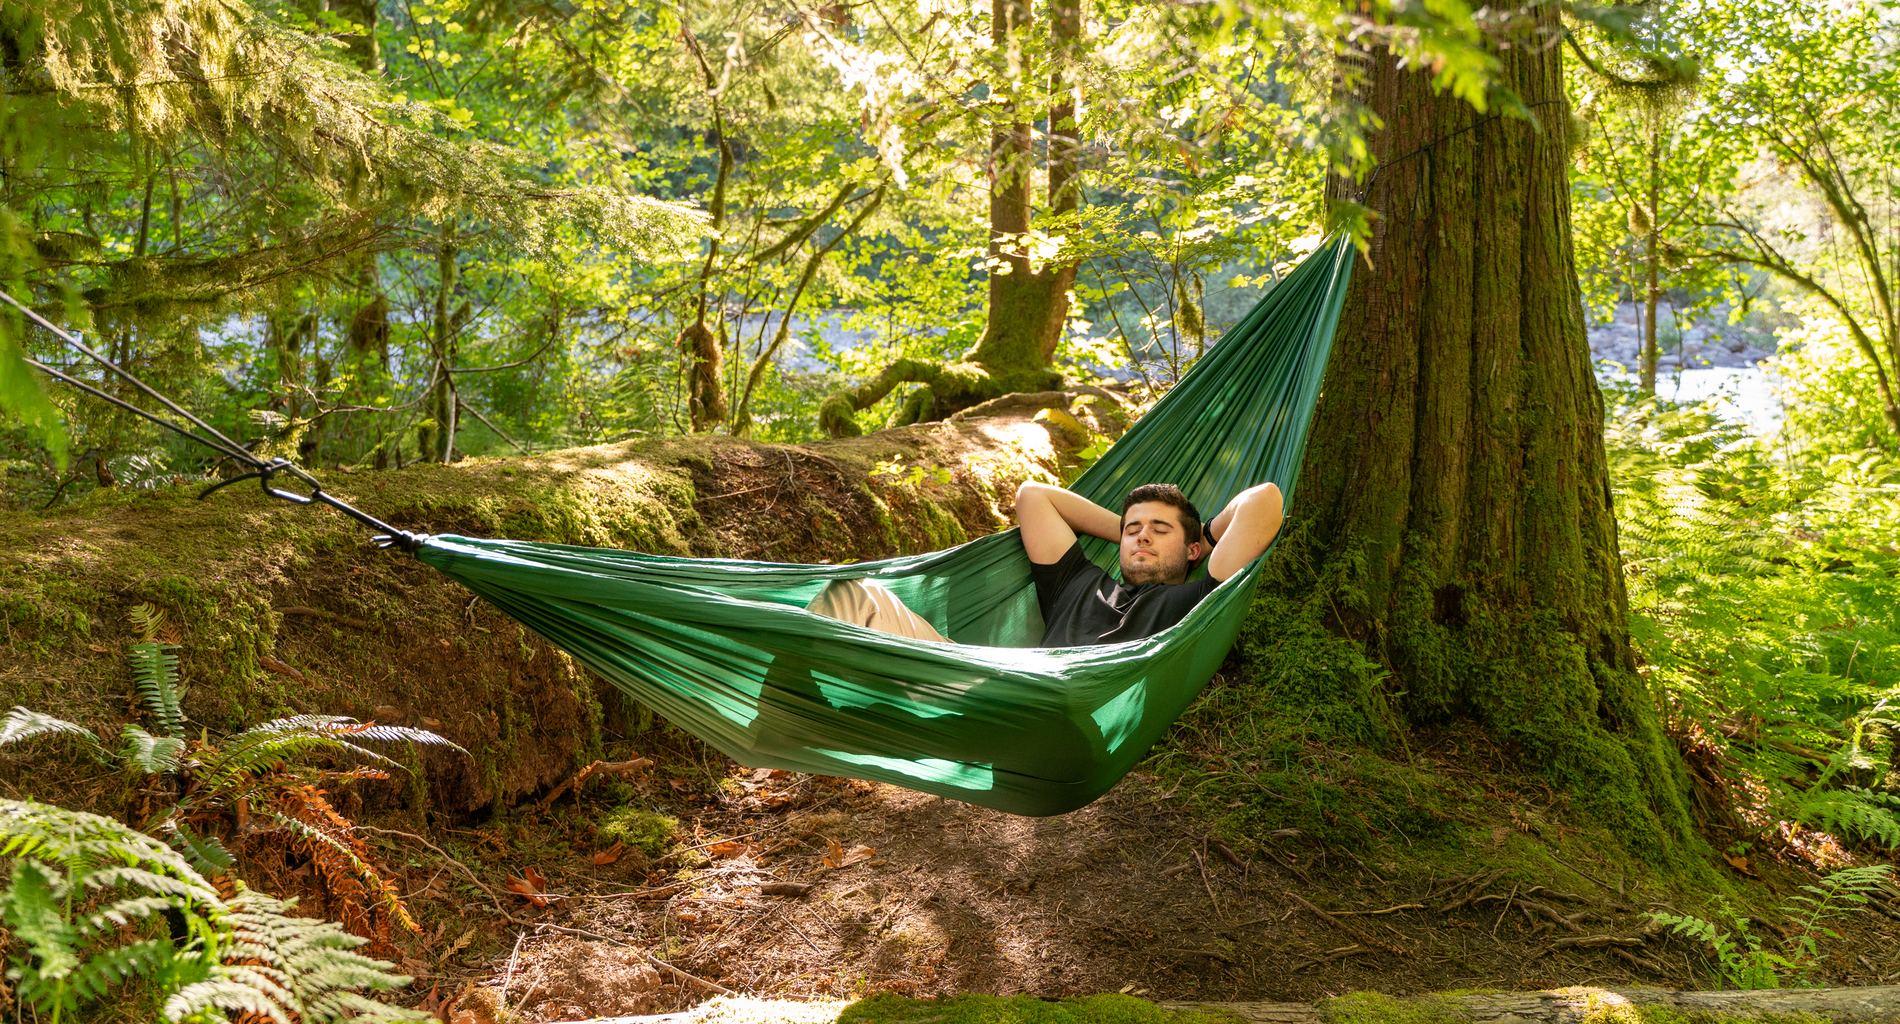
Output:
x=1454 y=506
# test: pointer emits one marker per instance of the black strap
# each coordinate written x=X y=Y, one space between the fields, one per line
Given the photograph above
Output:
x=263 y=470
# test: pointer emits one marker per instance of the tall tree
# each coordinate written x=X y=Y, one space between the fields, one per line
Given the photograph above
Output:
x=1028 y=297
x=1454 y=514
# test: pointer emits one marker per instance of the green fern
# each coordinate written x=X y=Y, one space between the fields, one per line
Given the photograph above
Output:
x=24 y=724
x=308 y=966
x=84 y=901
x=153 y=755
x=292 y=740
x=1852 y=813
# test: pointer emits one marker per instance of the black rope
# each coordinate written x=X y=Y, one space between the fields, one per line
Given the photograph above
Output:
x=263 y=470
x=1366 y=193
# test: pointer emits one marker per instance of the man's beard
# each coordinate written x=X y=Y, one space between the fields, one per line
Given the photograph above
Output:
x=1161 y=569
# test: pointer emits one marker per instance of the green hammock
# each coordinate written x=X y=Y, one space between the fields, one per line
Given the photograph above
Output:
x=725 y=650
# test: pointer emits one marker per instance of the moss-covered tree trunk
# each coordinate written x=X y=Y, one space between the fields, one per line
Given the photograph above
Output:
x=1028 y=301
x=1454 y=508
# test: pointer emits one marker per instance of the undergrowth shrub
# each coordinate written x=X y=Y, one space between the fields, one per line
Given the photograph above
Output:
x=1764 y=587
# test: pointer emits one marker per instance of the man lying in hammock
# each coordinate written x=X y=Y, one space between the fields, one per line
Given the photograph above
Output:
x=1161 y=537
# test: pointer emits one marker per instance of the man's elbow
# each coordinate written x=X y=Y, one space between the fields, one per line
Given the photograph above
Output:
x=1265 y=495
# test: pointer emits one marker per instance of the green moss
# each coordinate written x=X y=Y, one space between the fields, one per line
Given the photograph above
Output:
x=638 y=827
x=1377 y=1008
x=885 y=1008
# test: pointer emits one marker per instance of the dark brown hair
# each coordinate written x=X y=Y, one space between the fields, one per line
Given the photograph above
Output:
x=1167 y=494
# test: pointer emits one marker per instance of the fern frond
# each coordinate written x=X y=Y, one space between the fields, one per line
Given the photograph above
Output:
x=24 y=724
x=120 y=913
x=1852 y=813
x=33 y=908
x=148 y=619
x=117 y=965
x=313 y=971
x=338 y=727
x=155 y=671
x=292 y=739
x=206 y=853
x=153 y=755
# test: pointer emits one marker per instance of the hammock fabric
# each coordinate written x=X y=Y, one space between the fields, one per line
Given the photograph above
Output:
x=725 y=649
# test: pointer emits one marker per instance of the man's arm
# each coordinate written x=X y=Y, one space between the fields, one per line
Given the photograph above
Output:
x=1051 y=517
x=1242 y=530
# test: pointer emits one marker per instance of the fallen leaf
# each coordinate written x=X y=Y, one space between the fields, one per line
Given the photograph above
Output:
x=729 y=848
x=839 y=858
x=1740 y=864
x=527 y=888
x=609 y=855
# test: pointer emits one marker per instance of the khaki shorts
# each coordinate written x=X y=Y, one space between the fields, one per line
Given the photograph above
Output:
x=868 y=604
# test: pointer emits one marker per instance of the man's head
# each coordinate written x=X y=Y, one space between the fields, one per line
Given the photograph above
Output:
x=1161 y=535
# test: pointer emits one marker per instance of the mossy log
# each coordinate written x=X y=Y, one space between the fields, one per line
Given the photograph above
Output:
x=281 y=610
x=1581 y=1005
x=948 y=388
x=1873 y=1005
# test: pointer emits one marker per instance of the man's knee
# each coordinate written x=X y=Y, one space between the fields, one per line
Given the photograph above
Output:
x=872 y=606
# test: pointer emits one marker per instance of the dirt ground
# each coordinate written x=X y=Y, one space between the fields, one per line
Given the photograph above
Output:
x=814 y=888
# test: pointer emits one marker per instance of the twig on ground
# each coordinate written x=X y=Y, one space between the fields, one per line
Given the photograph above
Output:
x=466 y=873
x=1209 y=886
x=1594 y=941
x=1375 y=913
x=1506 y=910
x=509 y=978
x=1363 y=937
x=1473 y=893
x=1561 y=921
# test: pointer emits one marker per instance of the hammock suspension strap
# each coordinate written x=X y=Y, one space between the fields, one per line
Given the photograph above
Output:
x=265 y=471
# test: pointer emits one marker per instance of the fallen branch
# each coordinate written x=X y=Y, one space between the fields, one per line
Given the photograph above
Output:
x=466 y=873
x=597 y=768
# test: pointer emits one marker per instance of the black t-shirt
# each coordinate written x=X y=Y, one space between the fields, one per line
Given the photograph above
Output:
x=1083 y=605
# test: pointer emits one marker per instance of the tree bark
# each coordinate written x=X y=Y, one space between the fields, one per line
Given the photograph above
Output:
x=1652 y=346
x=1454 y=508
